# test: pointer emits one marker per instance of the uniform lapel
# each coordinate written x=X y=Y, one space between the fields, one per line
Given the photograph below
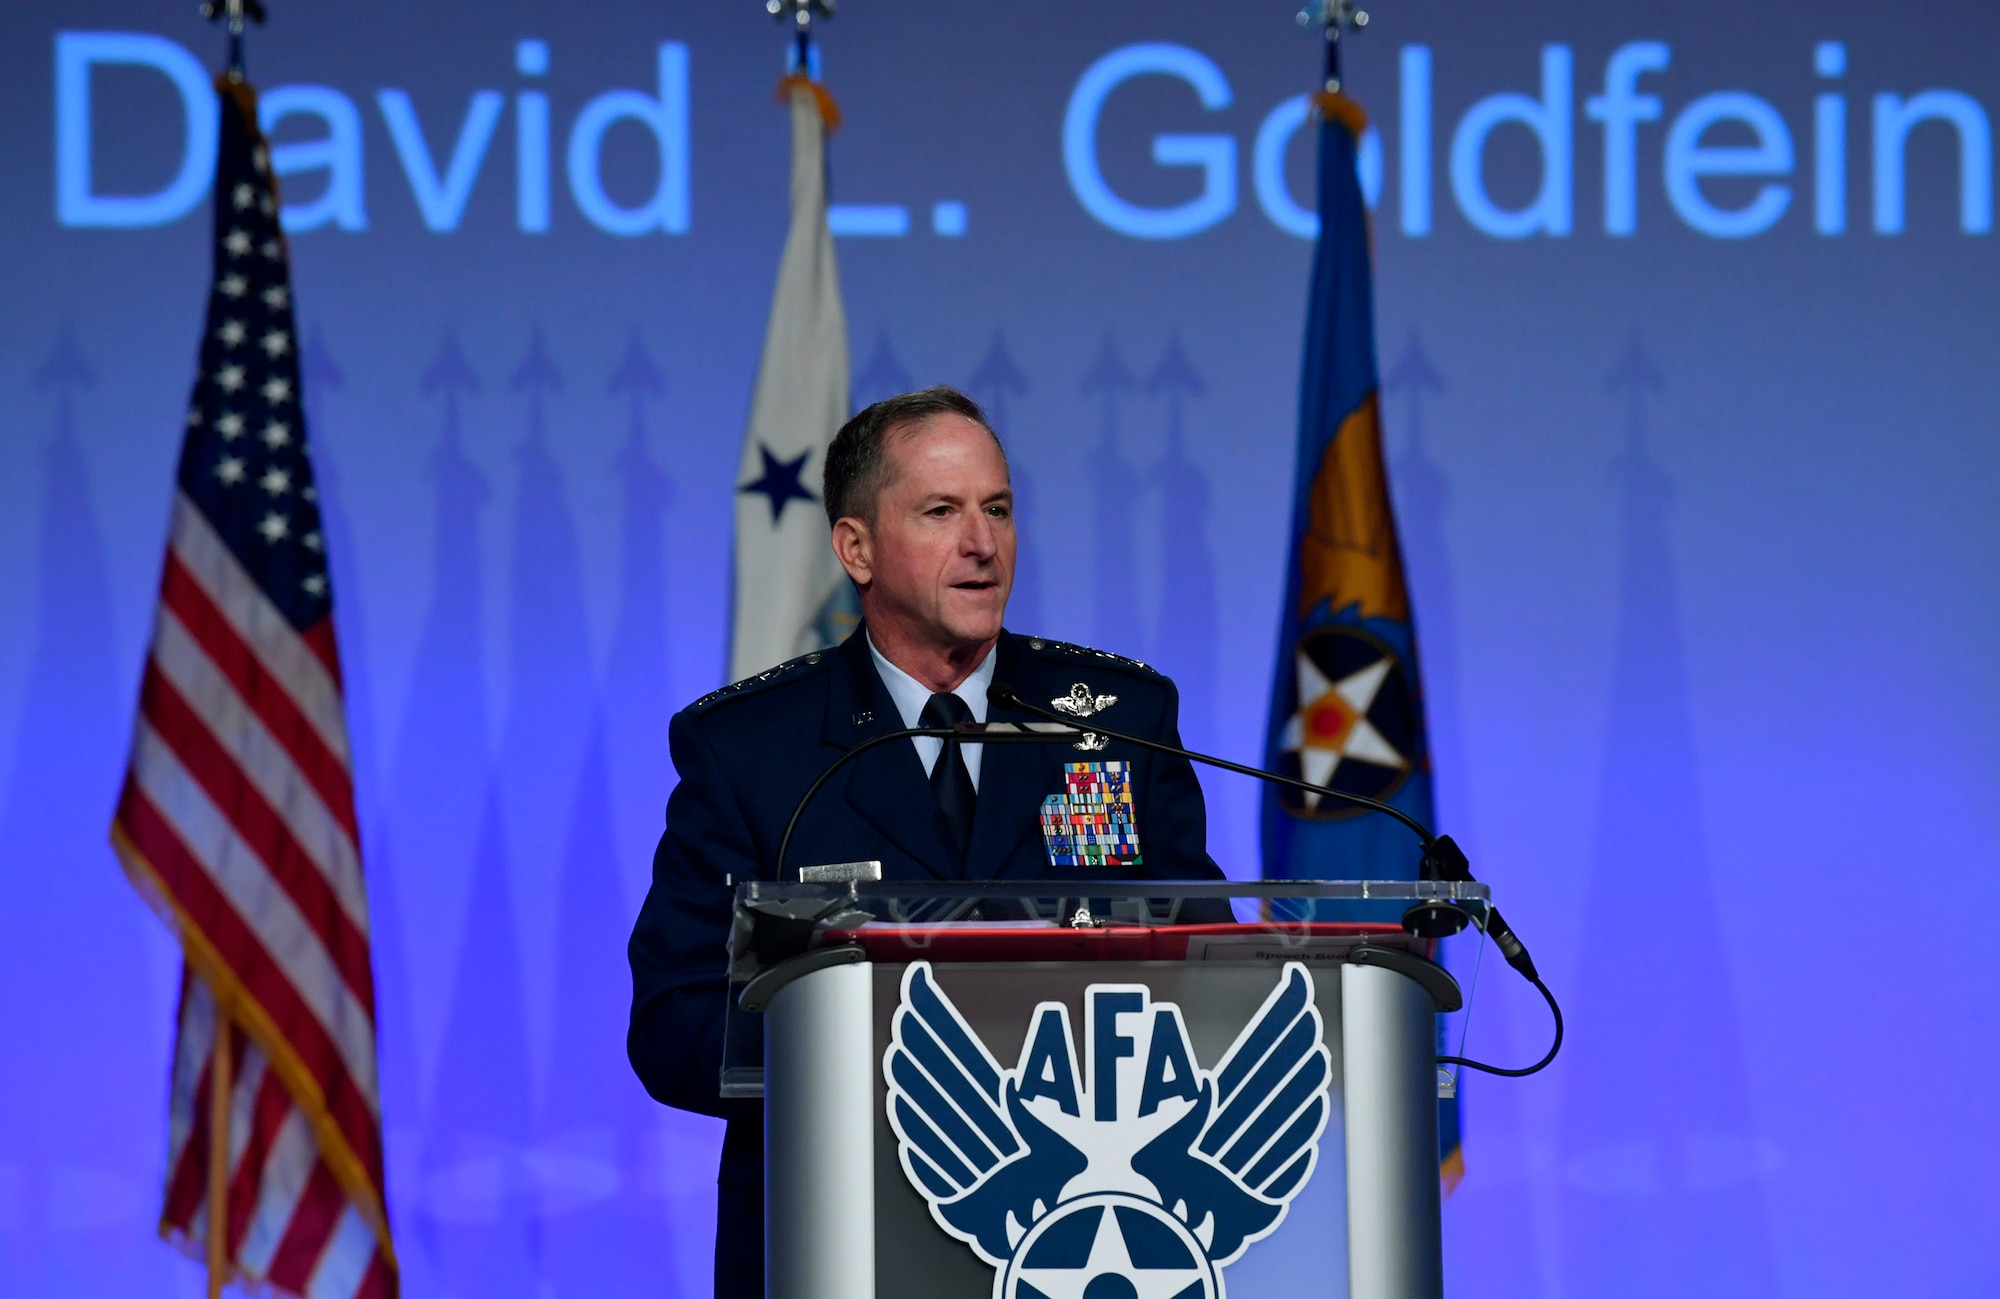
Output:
x=886 y=785
x=1013 y=778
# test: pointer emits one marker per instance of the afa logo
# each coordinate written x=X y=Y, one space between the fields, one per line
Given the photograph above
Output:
x=1138 y=1175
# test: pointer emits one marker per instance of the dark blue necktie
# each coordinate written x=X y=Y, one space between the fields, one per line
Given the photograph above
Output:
x=951 y=781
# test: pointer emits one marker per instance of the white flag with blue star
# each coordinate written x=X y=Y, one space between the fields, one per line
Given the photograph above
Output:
x=791 y=596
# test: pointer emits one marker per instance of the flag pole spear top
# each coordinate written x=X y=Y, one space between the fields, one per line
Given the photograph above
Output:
x=1333 y=18
x=234 y=13
x=801 y=14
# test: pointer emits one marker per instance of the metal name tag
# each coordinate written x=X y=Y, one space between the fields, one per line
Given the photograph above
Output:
x=842 y=872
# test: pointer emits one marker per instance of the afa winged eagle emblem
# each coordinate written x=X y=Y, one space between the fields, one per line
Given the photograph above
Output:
x=1138 y=1165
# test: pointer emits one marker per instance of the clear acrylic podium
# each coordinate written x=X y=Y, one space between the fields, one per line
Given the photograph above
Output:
x=1126 y=1091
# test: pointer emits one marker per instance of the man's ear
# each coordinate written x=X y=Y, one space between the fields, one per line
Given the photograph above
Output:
x=855 y=549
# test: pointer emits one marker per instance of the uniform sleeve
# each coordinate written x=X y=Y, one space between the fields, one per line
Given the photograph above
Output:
x=679 y=948
x=1178 y=816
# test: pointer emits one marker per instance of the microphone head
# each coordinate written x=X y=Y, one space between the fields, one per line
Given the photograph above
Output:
x=1001 y=695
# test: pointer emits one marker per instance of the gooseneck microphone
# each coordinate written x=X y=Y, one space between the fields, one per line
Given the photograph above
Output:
x=1061 y=732
x=1001 y=695
x=1443 y=859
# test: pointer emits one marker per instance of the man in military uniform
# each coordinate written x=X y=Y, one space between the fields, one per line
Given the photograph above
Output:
x=917 y=491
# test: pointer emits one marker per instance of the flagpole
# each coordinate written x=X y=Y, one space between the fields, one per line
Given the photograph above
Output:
x=233 y=14
x=220 y=1087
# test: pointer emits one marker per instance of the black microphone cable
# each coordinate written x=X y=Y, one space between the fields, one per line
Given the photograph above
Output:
x=1450 y=862
x=798 y=810
x=1537 y=1066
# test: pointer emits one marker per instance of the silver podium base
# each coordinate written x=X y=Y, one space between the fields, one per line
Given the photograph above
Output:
x=819 y=1147
x=1388 y=1027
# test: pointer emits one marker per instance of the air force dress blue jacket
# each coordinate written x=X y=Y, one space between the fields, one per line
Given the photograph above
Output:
x=746 y=754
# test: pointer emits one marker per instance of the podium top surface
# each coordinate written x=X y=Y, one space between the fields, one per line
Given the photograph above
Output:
x=1033 y=942
x=1085 y=920
x=874 y=894
x=784 y=932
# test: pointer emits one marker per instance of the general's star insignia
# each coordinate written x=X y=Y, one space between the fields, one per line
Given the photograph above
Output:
x=1332 y=726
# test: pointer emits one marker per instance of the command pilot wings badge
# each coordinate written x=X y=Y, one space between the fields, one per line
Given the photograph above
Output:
x=1081 y=701
x=1139 y=1166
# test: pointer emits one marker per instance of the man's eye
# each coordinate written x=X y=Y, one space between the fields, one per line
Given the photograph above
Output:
x=999 y=512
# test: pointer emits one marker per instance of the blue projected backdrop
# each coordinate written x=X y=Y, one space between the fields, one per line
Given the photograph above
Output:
x=1686 y=321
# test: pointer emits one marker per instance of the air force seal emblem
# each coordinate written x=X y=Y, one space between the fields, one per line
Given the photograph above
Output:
x=1138 y=1174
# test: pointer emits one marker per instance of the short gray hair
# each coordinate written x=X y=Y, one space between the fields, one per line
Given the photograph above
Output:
x=857 y=469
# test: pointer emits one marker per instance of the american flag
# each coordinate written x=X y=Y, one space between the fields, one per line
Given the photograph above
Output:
x=237 y=816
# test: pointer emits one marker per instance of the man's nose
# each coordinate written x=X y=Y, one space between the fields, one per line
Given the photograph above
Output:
x=978 y=540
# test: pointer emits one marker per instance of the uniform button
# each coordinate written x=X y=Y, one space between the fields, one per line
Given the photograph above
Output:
x=812 y=658
x=1034 y=644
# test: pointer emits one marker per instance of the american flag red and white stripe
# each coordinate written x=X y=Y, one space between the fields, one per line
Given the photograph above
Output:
x=237 y=816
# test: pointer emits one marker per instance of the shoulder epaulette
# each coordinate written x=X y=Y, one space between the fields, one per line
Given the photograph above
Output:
x=1102 y=658
x=750 y=685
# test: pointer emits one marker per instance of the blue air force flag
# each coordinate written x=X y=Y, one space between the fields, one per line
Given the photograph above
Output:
x=1346 y=704
x=790 y=596
x=1346 y=700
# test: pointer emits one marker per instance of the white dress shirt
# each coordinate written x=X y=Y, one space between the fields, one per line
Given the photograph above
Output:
x=911 y=695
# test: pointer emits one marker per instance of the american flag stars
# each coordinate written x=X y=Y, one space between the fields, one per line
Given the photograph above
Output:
x=256 y=490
